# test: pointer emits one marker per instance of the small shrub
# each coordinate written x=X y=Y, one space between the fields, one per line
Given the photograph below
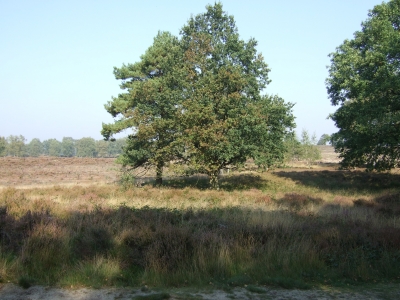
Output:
x=25 y=282
x=127 y=180
x=91 y=240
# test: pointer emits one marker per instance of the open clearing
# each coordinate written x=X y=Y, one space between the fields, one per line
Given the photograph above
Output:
x=48 y=171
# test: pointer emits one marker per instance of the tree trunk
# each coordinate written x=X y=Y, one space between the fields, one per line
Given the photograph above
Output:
x=159 y=172
x=214 y=180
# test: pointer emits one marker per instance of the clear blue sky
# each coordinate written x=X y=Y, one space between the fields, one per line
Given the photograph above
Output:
x=57 y=57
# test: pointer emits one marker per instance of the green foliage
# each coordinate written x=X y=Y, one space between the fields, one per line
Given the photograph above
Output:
x=16 y=145
x=115 y=147
x=364 y=80
x=225 y=119
x=293 y=147
x=46 y=146
x=303 y=150
x=54 y=148
x=25 y=282
x=309 y=152
x=3 y=146
x=102 y=148
x=127 y=179
x=35 y=148
x=68 y=147
x=325 y=138
x=198 y=101
x=86 y=147
x=149 y=105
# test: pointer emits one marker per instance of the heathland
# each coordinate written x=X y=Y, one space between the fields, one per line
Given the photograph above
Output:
x=70 y=222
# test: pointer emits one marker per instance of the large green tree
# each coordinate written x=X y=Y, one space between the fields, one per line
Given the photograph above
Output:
x=364 y=80
x=225 y=119
x=149 y=105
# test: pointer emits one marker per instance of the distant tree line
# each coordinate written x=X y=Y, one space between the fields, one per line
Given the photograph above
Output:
x=15 y=145
x=304 y=149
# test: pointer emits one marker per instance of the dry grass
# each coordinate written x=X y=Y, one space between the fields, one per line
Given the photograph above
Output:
x=291 y=227
x=42 y=171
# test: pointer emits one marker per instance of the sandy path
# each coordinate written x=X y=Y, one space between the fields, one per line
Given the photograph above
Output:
x=13 y=292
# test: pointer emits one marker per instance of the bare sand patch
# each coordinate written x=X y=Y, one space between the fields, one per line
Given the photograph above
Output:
x=13 y=292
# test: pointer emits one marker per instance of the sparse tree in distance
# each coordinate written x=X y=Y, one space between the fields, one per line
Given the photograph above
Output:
x=224 y=118
x=293 y=148
x=3 y=146
x=68 y=147
x=86 y=147
x=325 y=138
x=54 y=148
x=364 y=80
x=16 y=145
x=309 y=151
x=149 y=106
x=115 y=147
x=35 y=148
x=102 y=148
x=46 y=146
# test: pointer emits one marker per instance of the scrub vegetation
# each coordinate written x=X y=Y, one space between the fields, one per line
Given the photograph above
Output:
x=293 y=228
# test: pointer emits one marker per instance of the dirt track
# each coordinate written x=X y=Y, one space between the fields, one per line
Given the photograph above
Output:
x=12 y=292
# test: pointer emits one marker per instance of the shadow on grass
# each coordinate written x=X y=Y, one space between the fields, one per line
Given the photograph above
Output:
x=157 y=246
x=226 y=182
x=351 y=181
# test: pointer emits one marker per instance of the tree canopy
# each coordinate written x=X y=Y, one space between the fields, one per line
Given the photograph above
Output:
x=325 y=138
x=54 y=147
x=225 y=118
x=35 y=148
x=149 y=106
x=16 y=145
x=86 y=147
x=364 y=80
x=68 y=147
x=197 y=100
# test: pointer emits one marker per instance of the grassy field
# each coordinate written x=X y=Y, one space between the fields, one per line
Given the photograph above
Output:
x=290 y=227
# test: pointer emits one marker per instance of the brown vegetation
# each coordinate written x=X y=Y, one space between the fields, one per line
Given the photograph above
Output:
x=44 y=170
x=290 y=227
